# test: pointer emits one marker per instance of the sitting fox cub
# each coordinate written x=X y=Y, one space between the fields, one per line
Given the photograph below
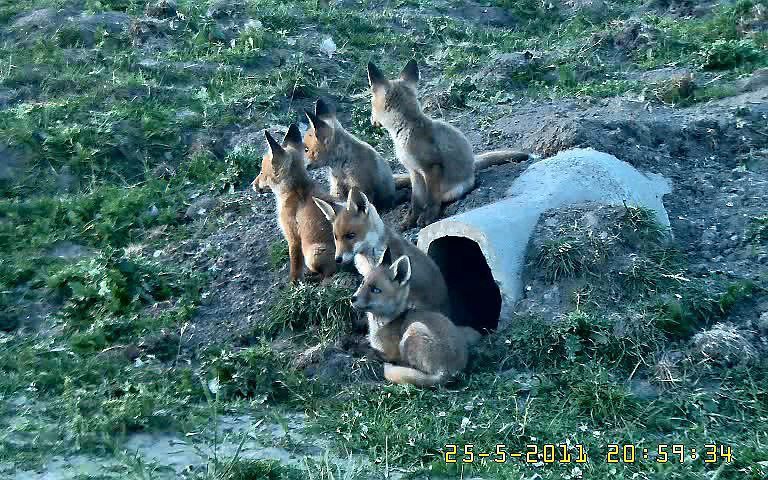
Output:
x=361 y=235
x=352 y=162
x=437 y=155
x=305 y=228
x=428 y=347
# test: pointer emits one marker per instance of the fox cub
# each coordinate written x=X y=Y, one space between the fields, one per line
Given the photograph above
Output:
x=438 y=156
x=361 y=236
x=305 y=228
x=352 y=162
x=426 y=346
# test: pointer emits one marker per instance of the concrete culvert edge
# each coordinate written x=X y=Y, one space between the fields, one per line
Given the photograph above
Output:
x=496 y=236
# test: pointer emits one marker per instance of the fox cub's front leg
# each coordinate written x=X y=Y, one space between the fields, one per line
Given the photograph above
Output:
x=433 y=196
x=418 y=199
x=296 y=260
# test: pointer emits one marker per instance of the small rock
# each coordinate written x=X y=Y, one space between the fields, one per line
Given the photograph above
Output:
x=42 y=19
x=70 y=251
x=226 y=8
x=13 y=161
x=596 y=10
x=708 y=236
x=491 y=16
x=505 y=66
x=201 y=206
x=643 y=389
x=164 y=171
x=723 y=345
x=328 y=46
x=161 y=8
x=756 y=81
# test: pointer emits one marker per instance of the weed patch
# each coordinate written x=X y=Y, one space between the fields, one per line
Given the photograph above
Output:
x=323 y=310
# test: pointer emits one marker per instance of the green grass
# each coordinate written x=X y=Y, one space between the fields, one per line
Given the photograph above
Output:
x=112 y=150
x=322 y=311
x=561 y=258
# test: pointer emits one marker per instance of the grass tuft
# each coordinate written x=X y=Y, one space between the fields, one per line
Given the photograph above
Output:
x=323 y=310
x=561 y=258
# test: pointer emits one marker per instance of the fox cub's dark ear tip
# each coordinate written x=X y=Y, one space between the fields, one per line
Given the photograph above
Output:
x=315 y=121
x=374 y=71
x=324 y=108
x=410 y=71
x=272 y=143
x=294 y=134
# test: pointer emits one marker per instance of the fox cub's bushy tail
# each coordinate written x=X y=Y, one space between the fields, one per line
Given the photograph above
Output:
x=482 y=161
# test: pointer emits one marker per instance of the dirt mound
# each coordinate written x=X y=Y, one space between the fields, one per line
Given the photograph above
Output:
x=586 y=246
x=714 y=151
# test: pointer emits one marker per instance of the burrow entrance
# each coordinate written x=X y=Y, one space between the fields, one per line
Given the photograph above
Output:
x=475 y=297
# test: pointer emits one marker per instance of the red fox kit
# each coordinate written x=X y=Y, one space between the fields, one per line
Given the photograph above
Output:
x=352 y=162
x=361 y=236
x=305 y=228
x=428 y=347
x=437 y=155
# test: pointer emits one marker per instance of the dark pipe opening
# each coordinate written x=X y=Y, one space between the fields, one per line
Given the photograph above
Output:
x=475 y=297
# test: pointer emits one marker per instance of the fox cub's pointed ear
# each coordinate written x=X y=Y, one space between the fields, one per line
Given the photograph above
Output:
x=274 y=147
x=375 y=78
x=385 y=258
x=325 y=109
x=316 y=122
x=410 y=72
x=401 y=270
x=293 y=136
x=328 y=210
x=357 y=201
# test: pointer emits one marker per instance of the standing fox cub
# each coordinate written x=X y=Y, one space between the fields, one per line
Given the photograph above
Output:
x=305 y=228
x=360 y=235
x=428 y=347
x=437 y=155
x=352 y=162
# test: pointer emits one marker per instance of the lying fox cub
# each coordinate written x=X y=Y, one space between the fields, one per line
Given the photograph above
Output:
x=360 y=235
x=426 y=346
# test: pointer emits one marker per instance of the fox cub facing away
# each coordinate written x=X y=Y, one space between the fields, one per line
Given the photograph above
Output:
x=361 y=236
x=421 y=347
x=437 y=155
x=352 y=162
x=305 y=228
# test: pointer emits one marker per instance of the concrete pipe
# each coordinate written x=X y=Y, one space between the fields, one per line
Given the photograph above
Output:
x=482 y=252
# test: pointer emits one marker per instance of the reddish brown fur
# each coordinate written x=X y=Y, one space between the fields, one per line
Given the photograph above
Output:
x=305 y=228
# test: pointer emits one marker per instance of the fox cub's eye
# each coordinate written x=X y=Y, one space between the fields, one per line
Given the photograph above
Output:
x=375 y=290
x=306 y=149
x=349 y=236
